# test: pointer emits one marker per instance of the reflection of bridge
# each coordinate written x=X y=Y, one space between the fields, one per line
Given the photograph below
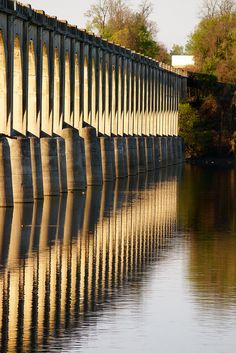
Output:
x=56 y=79
x=62 y=256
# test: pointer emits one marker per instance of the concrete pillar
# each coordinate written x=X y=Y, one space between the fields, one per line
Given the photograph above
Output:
x=163 y=154
x=132 y=158
x=180 y=149
x=141 y=156
x=125 y=156
x=169 y=150
x=6 y=191
x=149 y=152
x=120 y=157
x=36 y=163
x=107 y=154
x=49 y=155
x=22 y=182
x=156 y=151
x=61 y=153
x=175 y=149
x=93 y=160
x=74 y=165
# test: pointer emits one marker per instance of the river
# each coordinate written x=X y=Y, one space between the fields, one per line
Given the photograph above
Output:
x=147 y=264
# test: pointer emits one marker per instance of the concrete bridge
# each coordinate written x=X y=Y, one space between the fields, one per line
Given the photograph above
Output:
x=66 y=94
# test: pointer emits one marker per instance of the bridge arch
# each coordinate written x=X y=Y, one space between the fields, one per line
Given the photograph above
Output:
x=67 y=97
x=46 y=119
x=3 y=88
x=77 y=122
x=86 y=94
x=19 y=123
x=93 y=110
x=57 y=124
x=33 y=123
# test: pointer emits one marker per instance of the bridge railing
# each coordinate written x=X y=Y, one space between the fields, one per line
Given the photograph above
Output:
x=53 y=75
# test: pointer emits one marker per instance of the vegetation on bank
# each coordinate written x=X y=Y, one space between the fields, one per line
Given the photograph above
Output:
x=207 y=118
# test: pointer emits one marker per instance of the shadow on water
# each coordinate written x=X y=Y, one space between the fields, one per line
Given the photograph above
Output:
x=207 y=215
x=65 y=259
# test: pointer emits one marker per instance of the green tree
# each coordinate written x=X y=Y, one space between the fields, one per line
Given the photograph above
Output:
x=115 y=21
x=213 y=43
x=177 y=50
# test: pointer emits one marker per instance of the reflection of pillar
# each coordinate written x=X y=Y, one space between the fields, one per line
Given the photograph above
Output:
x=20 y=232
x=92 y=208
x=5 y=232
x=19 y=244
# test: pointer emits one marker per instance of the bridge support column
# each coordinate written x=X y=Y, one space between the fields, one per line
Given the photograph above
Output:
x=131 y=152
x=169 y=150
x=51 y=185
x=107 y=154
x=93 y=163
x=142 y=164
x=61 y=153
x=149 y=152
x=74 y=166
x=22 y=183
x=120 y=157
x=175 y=149
x=6 y=191
x=163 y=155
x=157 y=151
x=180 y=149
x=36 y=163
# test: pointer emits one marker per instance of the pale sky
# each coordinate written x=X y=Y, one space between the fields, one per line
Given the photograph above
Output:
x=175 y=19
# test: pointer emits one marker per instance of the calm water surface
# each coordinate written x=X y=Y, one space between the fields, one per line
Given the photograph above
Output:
x=145 y=265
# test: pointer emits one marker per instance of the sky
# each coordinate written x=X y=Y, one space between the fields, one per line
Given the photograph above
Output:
x=175 y=19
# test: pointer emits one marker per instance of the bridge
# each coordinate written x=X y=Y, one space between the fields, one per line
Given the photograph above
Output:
x=77 y=110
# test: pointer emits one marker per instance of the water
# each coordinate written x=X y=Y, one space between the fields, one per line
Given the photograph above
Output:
x=145 y=265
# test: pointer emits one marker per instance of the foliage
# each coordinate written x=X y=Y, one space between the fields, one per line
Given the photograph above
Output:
x=207 y=118
x=115 y=21
x=213 y=43
x=177 y=50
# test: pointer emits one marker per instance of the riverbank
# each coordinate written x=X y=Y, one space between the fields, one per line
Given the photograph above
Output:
x=212 y=161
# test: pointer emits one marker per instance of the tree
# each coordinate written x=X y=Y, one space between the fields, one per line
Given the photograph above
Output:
x=115 y=21
x=177 y=50
x=213 y=43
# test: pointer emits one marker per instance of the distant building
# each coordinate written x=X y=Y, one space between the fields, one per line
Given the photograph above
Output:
x=182 y=61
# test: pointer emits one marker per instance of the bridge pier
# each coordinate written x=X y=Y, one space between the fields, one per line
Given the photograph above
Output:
x=149 y=153
x=141 y=156
x=108 y=158
x=120 y=157
x=93 y=162
x=21 y=169
x=74 y=166
x=49 y=152
x=62 y=165
x=6 y=191
x=131 y=153
x=36 y=164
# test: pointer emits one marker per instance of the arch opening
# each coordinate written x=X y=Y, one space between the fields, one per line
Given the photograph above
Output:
x=19 y=123
x=33 y=126
x=57 y=124
x=46 y=121
x=4 y=128
x=77 y=121
x=67 y=111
